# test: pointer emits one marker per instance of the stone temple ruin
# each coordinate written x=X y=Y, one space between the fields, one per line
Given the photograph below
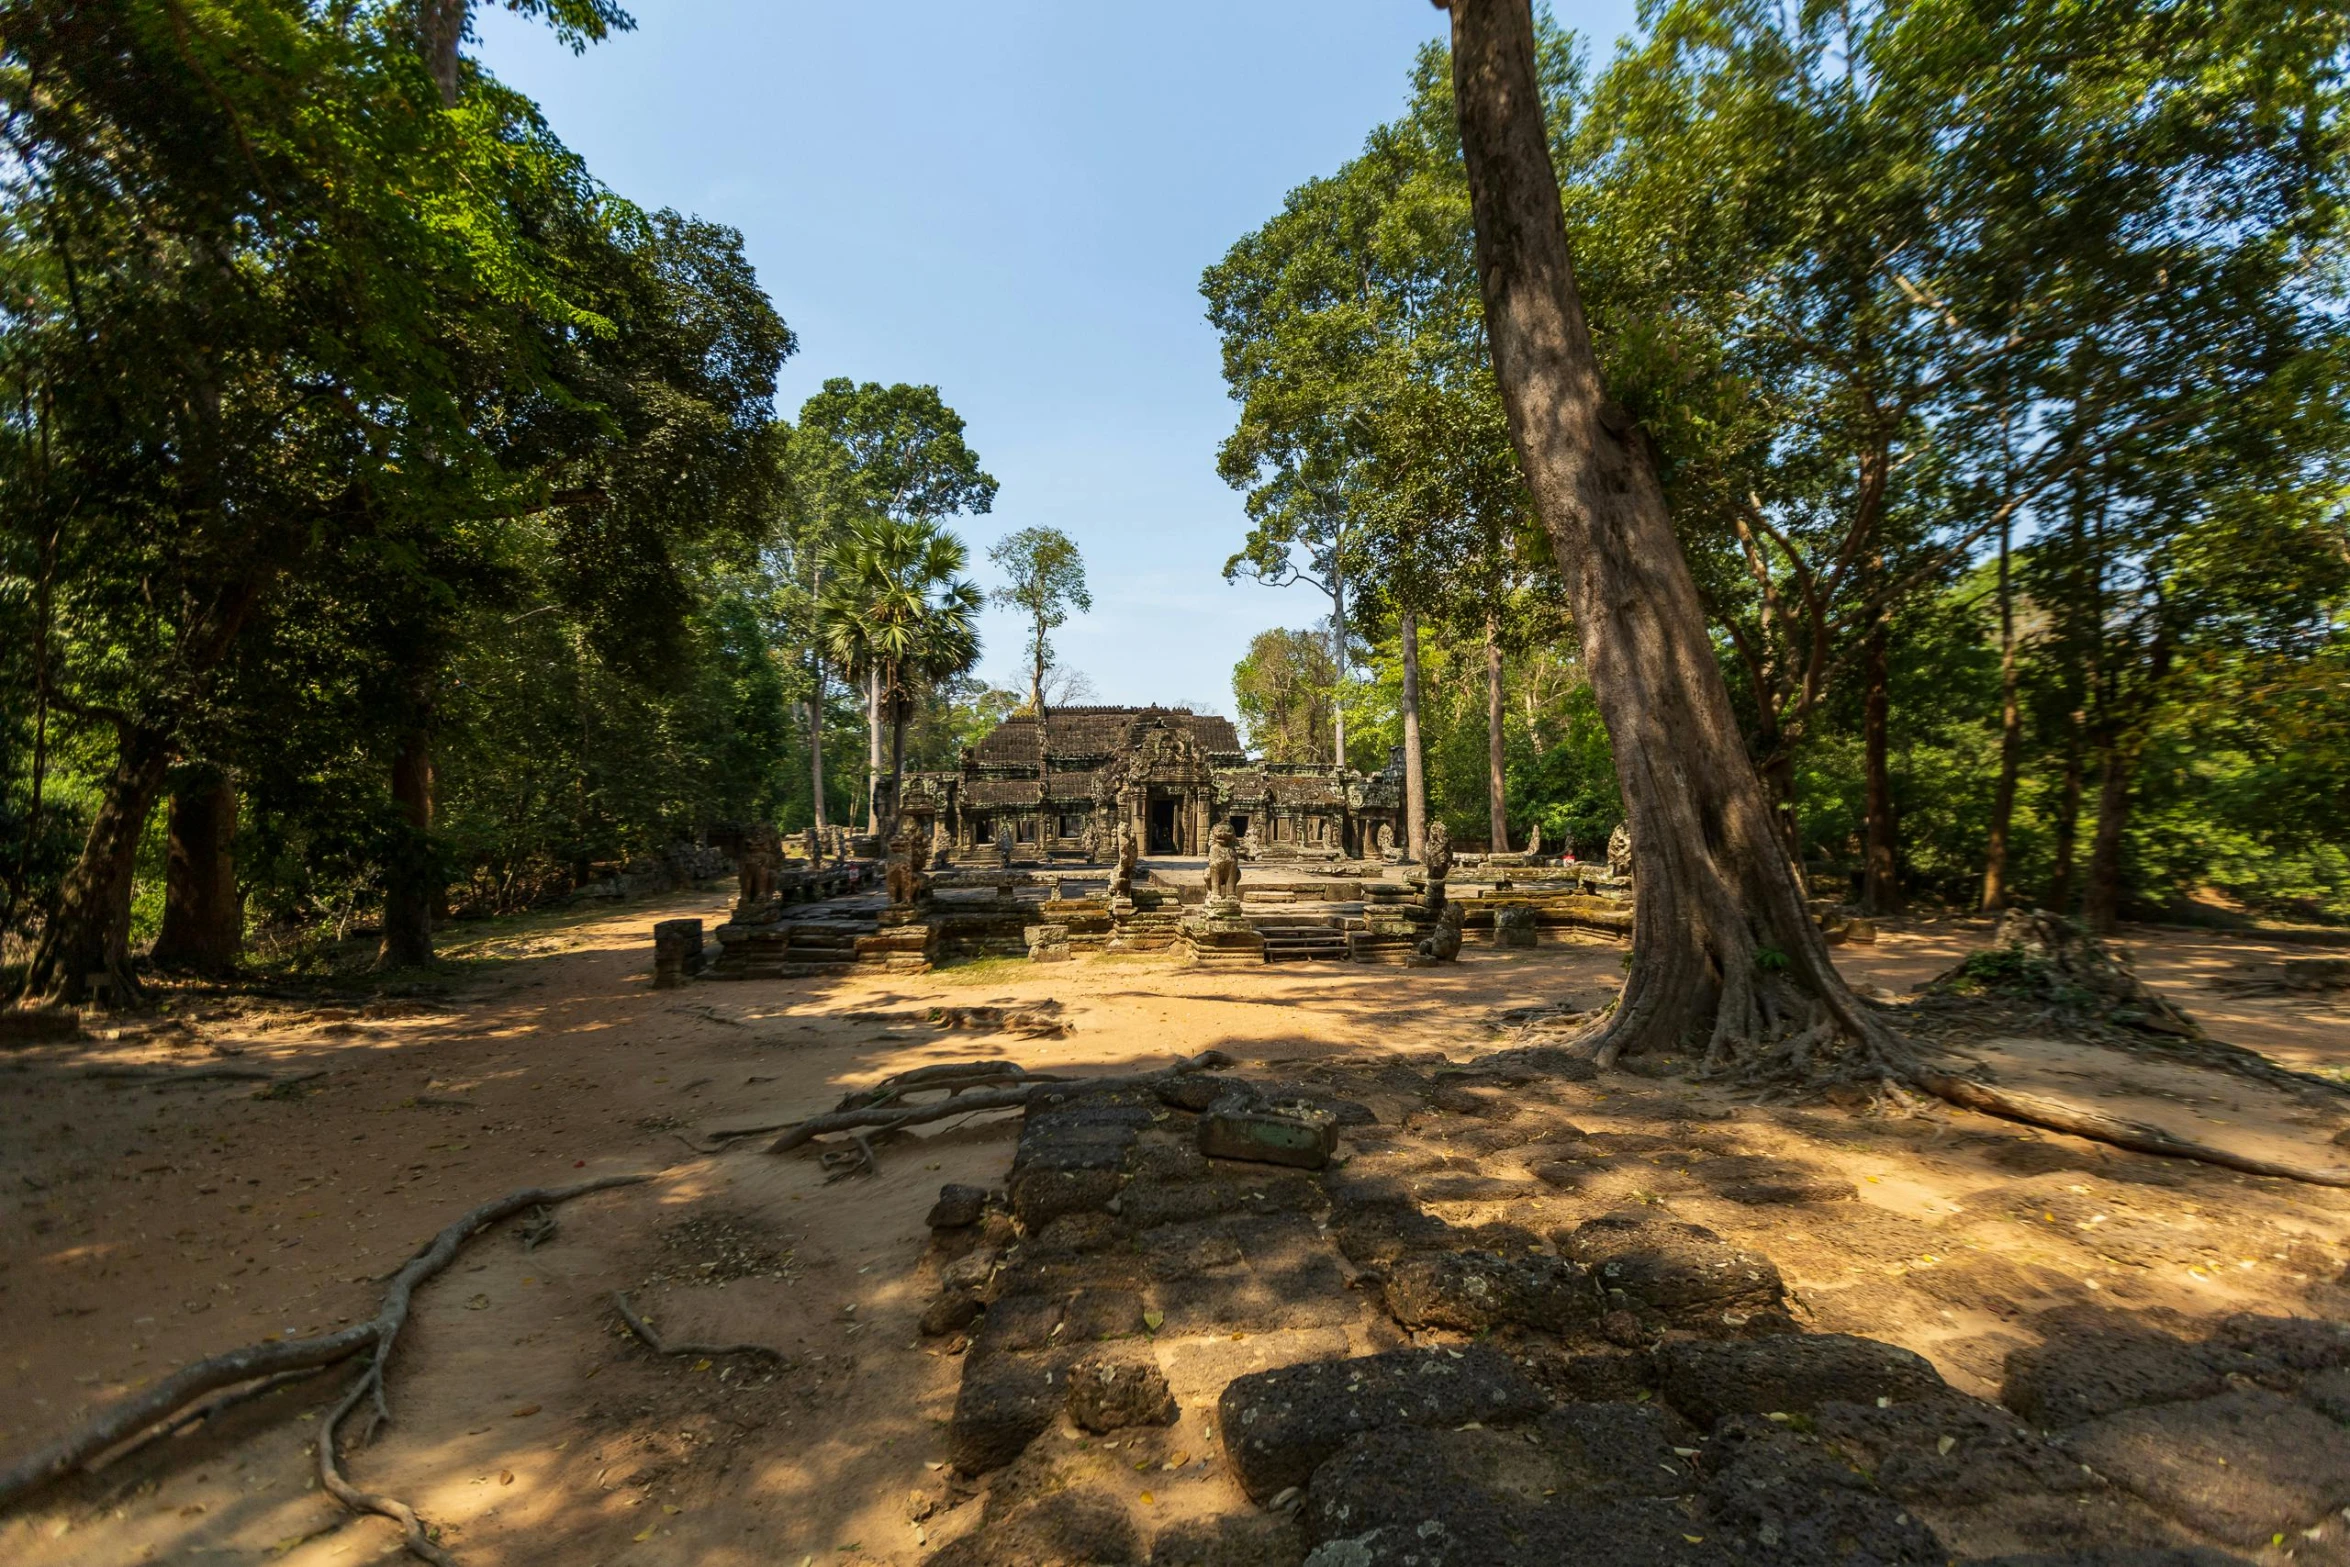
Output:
x=1145 y=830
x=1065 y=784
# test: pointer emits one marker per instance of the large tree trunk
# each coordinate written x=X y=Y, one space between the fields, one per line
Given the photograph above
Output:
x=2101 y=898
x=2068 y=823
x=816 y=746
x=1036 y=673
x=1497 y=795
x=1715 y=885
x=873 y=750
x=411 y=882
x=1881 y=892
x=1415 y=773
x=2011 y=738
x=203 y=913
x=85 y=946
x=440 y=27
x=900 y=710
x=1338 y=662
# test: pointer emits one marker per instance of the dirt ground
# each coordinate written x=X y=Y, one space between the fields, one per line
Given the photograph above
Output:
x=153 y=1223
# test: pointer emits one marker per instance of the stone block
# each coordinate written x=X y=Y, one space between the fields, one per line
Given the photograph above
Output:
x=1006 y=1401
x=958 y=1207
x=1101 y=1313
x=1111 y=1392
x=952 y=1312
x=2241 y=1467
x=40 y=1025
x=1474 y=1290
x=1944 y=1449
x=1300 y=1135
x=1279 y=1425
x=1800 y=1503
x=1788 y=1374
x=1683 y=1272
x=2086 y=1374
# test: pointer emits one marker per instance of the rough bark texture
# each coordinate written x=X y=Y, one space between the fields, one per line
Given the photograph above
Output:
x=1497 y=798
x=1882 y=893
x=203 y=913
x=1415 y=772
x=2101 y=898
x=873 y=751
x=1715 y=885
x=440 y=27
x=2011 y=739
x=409 y=881
x=1338 y=650
x=85 y=946
x=2068 y=823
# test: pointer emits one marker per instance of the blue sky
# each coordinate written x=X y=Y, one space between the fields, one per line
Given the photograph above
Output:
x=1013 y=202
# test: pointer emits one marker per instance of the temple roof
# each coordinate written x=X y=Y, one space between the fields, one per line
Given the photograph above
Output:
x=1103 y=731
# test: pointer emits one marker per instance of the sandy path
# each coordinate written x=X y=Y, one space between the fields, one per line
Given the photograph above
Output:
x=154 y=1226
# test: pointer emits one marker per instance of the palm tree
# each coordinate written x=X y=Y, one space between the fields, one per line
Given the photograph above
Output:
x=899 y=614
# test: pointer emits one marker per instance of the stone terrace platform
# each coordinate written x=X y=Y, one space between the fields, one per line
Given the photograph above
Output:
x=1417 y=1356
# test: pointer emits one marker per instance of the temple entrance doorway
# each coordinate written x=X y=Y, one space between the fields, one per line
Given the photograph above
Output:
x=1162 y=827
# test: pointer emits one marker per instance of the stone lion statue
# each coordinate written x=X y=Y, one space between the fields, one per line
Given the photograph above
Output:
x=1223 y=864
x=1442 y=944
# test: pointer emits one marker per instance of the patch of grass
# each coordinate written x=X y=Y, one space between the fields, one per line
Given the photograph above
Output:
x=984 y=971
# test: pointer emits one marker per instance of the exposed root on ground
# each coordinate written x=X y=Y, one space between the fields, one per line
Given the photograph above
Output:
x=889 y=1117
x=2138 y=1137
x=661 y=1346
x=173 y=1076
x=167 y=1401
x=1770 y=1034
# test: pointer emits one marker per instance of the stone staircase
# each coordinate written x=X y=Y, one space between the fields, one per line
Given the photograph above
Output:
x=1303 y=941
x=793 y=949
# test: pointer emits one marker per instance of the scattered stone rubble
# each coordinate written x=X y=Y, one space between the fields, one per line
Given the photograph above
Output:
x=1234 y=1324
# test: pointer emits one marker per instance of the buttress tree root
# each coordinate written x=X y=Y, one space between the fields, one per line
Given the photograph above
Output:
x=167 y=1402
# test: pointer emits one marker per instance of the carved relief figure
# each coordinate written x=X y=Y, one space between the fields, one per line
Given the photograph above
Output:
x=1619 y=850
x=1122 y=880
x=1439 y=851
x=1003 y=845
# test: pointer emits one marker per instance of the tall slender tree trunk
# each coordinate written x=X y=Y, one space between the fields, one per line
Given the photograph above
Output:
x=873 y=750
x=897 y=766
x=1714 y=883
x=816 y=745
x=2101 y=897
x=2068 y=821
x=2011 y=737
x=440 y=27
x=1497 y=794
x=411 y=879
x=43 y=601
x=203 y=913
x=1881 y=893
x=1415 y=773
x=85 y=946
x=1036 y=672
x=1338 y=661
